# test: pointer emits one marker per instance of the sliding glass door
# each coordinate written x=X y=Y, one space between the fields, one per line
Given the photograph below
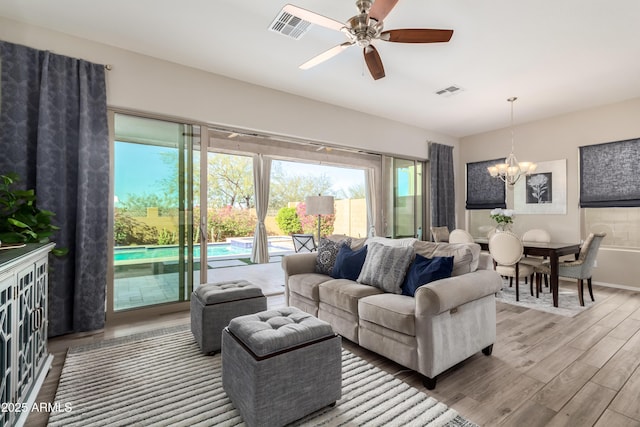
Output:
x=408 y=200
x=155 y=181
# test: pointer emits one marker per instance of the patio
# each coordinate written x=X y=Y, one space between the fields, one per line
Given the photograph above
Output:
x=145 y=290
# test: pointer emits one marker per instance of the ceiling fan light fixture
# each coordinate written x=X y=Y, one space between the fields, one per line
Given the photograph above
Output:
x=325 y=56
x=363 y=30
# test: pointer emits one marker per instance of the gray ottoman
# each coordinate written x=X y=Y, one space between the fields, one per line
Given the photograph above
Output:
x=280 y=365
x=214 y=305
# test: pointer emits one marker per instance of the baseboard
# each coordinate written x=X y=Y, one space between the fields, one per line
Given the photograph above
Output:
x=616 y=286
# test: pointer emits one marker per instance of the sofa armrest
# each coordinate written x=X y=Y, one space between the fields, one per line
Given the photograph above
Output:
x=446 y=294
x=299 y=263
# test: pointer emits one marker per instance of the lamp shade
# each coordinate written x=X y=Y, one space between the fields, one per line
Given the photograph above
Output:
x=319 y=205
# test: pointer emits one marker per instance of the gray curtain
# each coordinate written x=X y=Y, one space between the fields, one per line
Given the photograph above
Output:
x=261 y=180
x=443 y=199
x=53 y=116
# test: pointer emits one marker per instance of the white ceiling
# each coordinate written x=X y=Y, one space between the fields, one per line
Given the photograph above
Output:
x=555 y=56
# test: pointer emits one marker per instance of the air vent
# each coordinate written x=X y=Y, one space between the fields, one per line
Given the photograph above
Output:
x=449 y=91
x=289 y=25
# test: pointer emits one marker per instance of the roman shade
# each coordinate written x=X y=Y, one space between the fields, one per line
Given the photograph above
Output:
x=608 y=174
x=484 y=191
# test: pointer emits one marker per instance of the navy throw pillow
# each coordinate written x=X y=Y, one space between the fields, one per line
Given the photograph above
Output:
x=424 y=270
x=349 y=263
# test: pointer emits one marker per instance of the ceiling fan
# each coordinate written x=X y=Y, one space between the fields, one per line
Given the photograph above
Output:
x=363 y=29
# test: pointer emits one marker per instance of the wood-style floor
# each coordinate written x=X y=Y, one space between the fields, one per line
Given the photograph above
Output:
x=546 y=370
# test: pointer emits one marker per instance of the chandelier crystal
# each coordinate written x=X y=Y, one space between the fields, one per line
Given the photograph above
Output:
x=511 y=170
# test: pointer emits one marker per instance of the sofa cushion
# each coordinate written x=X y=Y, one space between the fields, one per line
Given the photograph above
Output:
x=466 y=256
x=395 y=312
x=307 y=284
x=349 y=263
x=344 y=294
x=356 y=242
x=425 y=270
x=327 y=253
x=404 y=242
x=385 y=266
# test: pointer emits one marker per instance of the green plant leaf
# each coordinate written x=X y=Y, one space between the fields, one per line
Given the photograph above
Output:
x=17 y=223
x=60 y=251
x=12 y=237
x=25 y=194
x=20 y=220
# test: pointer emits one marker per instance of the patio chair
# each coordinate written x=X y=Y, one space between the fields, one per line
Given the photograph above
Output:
x=303 y=242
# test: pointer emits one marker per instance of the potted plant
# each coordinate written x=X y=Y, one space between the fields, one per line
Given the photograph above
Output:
x=21 y=221
x=503 y=218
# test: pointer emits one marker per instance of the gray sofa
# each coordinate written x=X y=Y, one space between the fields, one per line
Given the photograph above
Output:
x=447 y=320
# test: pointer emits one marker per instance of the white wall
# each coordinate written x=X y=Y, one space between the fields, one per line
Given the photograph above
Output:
x=559 y=138
x=146 y=84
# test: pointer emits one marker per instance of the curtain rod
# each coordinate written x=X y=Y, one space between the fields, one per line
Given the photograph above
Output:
x=108 y=67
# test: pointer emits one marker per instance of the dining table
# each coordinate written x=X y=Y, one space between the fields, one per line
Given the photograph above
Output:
x=552 y=250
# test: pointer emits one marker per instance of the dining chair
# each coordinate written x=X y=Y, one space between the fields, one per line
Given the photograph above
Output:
x=579 y=269
x=506 y=249
x=460 y=236
x=303 y=242
x=440 y=234
x=536 y=235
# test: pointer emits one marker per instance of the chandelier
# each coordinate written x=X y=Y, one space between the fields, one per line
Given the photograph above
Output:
x=511 y=170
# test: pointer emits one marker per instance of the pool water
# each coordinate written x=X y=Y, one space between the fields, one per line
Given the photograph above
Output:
x=152 y=253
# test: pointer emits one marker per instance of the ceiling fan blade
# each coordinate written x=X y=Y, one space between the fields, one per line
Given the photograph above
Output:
x=416 y=36
x=313 y=17
x=374 y=63
x=325 y=55
x=381 y=8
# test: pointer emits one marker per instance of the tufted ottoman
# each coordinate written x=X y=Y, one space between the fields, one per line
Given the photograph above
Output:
x=213 y=305
x=280 y=365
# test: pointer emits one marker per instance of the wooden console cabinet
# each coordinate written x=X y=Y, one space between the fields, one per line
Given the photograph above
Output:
x=24 y=357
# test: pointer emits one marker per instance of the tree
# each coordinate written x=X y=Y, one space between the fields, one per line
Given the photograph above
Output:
x=228 y=222
x=309 y=223
x=287 y=188
x=288 y=221
x=356 y=191
x=129 y=231
x=230 y=180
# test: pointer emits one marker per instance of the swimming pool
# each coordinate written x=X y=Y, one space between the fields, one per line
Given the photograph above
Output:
x=236 y=248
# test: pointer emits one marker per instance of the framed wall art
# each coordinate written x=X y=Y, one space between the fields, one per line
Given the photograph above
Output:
x=544 y=191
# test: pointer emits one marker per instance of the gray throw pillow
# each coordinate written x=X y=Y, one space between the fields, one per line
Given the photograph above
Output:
x=327 y=253
x=385 y=267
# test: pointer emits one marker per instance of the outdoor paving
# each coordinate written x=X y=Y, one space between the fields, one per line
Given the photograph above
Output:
x=144 y=290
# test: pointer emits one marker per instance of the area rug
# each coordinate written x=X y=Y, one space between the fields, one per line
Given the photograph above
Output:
x=568 y=303
x=161 y=379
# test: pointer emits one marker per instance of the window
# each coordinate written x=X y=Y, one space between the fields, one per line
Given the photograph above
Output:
x=610 y=192
x=622 y=226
